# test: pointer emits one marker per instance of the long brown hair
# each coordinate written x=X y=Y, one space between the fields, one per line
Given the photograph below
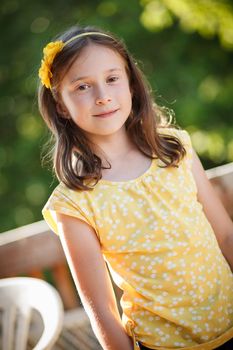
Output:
x=73 y=159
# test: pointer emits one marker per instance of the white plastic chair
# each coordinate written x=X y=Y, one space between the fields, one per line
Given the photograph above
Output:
x=19 y=296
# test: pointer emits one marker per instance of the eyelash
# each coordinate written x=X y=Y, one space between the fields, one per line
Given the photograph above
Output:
x=113 y=78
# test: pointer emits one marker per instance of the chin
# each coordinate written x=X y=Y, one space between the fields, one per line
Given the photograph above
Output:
x=107 y=132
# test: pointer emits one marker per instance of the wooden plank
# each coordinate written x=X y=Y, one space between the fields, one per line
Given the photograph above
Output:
x=30 y=252
x=222 y=180
x=77 y=333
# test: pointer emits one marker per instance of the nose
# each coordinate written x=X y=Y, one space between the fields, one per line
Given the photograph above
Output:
x=103 y=98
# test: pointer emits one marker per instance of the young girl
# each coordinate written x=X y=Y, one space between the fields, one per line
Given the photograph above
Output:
x=132 y=192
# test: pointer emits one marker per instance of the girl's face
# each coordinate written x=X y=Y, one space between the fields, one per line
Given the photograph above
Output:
x=96 y=93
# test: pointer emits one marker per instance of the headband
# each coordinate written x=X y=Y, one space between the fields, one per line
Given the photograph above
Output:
x=51 y=50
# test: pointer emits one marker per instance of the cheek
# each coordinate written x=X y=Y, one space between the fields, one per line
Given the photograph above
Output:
x=123 y=92
x=127 y=96
x=77 y=106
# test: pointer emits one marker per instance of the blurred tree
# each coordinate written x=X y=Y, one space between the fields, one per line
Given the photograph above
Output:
x=207 y=17
x=176 y=43
x=203 y=77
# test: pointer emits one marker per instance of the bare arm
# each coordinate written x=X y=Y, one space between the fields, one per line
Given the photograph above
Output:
x=83 y=253
x=214 y=210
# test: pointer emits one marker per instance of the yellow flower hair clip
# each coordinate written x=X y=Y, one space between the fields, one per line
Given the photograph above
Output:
x=51 y=50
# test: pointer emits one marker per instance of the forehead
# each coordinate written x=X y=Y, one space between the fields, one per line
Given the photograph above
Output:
x=95 y=59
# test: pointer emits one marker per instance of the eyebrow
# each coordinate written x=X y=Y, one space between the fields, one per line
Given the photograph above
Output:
x=87 y=77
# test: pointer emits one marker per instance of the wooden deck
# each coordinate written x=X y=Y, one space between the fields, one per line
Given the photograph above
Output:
x=77 y=333
x=34 y=251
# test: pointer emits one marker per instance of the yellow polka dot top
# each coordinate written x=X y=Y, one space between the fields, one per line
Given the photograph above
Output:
x=161 y=251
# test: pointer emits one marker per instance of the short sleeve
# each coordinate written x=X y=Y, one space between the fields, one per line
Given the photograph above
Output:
x=61 y=201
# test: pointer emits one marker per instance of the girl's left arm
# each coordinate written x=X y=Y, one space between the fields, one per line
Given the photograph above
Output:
x=214 y=210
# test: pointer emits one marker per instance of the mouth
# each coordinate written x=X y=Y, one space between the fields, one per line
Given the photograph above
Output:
x=106 y=114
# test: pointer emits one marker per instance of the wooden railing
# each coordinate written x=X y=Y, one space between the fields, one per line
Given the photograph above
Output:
x=222 y=179
x=34 y=251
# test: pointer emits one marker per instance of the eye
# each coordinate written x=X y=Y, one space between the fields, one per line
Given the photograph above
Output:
x=112 y=79
x=83 y=87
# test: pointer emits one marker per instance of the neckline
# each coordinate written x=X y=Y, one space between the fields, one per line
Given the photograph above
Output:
x=124 y=182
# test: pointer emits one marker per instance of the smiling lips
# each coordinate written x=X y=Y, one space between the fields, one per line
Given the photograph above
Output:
x=106 y=114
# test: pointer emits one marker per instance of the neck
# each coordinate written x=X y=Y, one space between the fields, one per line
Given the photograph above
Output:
x=112 y=147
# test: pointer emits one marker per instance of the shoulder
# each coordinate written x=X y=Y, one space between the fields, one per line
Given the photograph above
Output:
x=61 y=195
x=181 y=134
x=184 y=138
x=65 y=194
x=69 y=202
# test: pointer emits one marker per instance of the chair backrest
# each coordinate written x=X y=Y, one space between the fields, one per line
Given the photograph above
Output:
x=19 y=297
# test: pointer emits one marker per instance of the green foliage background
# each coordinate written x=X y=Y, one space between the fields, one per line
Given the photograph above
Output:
x=184 y=47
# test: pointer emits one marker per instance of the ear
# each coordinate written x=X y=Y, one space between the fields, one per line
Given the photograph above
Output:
x=62 y=110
